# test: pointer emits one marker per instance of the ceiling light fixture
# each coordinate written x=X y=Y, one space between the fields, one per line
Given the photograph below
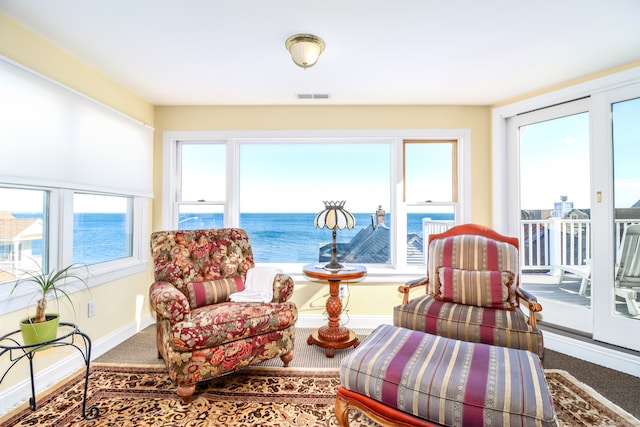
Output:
x=305 y=49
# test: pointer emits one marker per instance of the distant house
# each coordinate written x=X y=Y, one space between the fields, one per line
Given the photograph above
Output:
x=16 y=237
x=372 y=245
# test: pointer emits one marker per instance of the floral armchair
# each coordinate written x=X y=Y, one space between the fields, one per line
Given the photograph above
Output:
x=201 y=334
x=473 y=291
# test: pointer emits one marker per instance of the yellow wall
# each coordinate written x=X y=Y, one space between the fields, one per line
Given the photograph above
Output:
x=116 y=299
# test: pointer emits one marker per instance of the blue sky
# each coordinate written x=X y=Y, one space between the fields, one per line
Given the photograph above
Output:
x=555 y=159
x=356 y=173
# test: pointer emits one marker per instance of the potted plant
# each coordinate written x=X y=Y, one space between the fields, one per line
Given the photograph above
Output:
x=43 y=326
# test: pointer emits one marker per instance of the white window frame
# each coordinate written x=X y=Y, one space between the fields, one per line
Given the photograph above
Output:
x=395 y=137
x=60 y=246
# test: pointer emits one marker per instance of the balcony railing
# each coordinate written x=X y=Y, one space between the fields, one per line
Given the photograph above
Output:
x=547 y=244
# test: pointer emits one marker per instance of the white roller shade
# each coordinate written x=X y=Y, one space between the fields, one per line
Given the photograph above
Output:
x=51 y=135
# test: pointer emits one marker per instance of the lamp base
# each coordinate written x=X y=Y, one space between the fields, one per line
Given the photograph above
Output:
x=334 y=265
x=333 y=268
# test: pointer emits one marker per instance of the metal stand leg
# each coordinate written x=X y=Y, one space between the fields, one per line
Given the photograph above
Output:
x=94 y=411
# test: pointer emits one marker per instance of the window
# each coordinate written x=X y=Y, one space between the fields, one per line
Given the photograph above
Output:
x=274 y=184
x=430 y=192
x=34 y=234
x=102 y=228
x=202 y=191
x=282 y=186
x=23 y=231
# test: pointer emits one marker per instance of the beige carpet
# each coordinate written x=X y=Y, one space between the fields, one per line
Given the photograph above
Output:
x=260 y=396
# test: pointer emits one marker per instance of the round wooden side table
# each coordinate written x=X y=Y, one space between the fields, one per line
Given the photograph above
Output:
x=333 y=336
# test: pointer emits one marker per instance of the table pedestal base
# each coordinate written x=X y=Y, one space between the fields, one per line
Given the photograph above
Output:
x=332 y=338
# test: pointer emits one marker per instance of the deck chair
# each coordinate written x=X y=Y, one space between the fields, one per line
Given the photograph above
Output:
x=582 y=272
x=627 y=282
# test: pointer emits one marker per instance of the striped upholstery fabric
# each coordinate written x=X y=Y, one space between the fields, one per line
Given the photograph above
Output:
x=484 y=288
x=449 y=382
x=471 y=252
x=507 y=328
x=210 y=292
x=488 y=325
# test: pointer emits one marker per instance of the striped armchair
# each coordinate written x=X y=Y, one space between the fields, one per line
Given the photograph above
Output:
x=472 y=291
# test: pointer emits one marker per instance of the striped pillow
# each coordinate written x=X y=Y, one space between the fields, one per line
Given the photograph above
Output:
x=212 y=291
x=482 y=288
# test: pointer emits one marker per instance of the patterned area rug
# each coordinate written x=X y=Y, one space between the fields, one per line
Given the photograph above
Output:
x=260 y=396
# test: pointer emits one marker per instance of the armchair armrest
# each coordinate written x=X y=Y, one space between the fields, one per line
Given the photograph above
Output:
x=532 y=304
x=282 y=288
x=168 y=302
x=404 y=289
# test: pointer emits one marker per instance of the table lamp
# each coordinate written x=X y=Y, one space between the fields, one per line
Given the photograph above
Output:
x=334 y=216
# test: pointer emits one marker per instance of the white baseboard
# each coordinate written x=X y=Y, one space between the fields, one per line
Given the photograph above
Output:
x=593 y=353
x=352 y=322
x=45 y=378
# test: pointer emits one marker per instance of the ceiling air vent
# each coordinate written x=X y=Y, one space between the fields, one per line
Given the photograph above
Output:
x=313 y=96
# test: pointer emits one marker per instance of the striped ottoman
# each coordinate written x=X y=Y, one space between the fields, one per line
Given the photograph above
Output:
x=402 y=377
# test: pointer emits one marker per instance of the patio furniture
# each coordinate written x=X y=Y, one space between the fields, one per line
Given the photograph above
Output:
x=472 y=291
x=400 y=377
x=201 y=334
x=582 y=272
x=627 y=279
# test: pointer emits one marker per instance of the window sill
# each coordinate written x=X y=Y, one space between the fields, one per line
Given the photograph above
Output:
x=99 y=274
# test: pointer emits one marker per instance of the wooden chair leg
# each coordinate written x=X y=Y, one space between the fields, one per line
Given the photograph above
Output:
x=185 y=391
x=286 y=358
x=342 y=412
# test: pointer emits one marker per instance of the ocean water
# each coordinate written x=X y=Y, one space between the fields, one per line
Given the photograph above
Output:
x=97 y=237
x=274 y=237
x=282 y=237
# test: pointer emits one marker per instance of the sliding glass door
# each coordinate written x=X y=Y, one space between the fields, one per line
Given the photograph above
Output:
x=573 y=180
x=555 y=210
x=618 y=313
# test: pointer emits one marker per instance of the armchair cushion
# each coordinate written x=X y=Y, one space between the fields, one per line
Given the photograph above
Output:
x=506 y=328
x=482 y=288
x=217 y=324
x=212 y=291
x=471 y=252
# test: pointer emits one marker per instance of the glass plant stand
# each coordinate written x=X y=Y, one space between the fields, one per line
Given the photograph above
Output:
x=68 y=335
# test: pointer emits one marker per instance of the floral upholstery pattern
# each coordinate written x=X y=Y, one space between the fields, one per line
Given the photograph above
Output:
x=211 y=340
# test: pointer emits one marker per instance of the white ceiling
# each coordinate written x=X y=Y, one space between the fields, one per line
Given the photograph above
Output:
x=231 y=52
